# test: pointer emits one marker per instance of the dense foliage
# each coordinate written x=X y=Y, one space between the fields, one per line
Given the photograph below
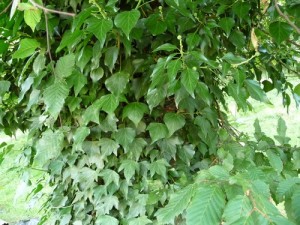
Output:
x=124 y=104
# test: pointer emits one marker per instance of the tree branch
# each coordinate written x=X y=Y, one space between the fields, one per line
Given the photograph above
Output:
x=46 y=10
x=297 y=29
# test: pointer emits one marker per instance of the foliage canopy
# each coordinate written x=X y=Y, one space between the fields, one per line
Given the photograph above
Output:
x=123 y=104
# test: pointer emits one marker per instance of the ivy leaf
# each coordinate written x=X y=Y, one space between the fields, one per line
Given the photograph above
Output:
x=159 y=167
x=241 y=9
x=106 y=220
x=116 y=84
x=108 y=103
x=48 y=147
x=203 y=92
x=108 y=146
x=206 y=206
x=135 y=112
x=177 y=204
x=157 y=131
x=155 y=25
x=27 y=48
x=127 y=20
x=173 y=122
x=100 y=27
x=166 y=47
x=64 y=66
x=80 y=135
x=256 y=91
x=110 y=176
x=111 y=56
x=125 y=136
x=92 y=113
x=54 y=97
x=280 y=31
x=189 y=79
x=143 y=220
x=129 y=167
x=226 y=24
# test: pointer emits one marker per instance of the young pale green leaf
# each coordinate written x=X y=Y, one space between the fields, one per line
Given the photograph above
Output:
x=106 y=220
x=129 y=167
x=189 y=79
x=177 y=204
x=27 y=48
x=238 y=210
x=108 y=103
x=127 y=20
x=135 y=112
x=111 y=56
x=80 y=134
x=116 y=83
x=166 y=47
x=108 y=146
x=143 y=220
x=157 y=131
x=256 y=91
x=54 y=97
x=226 y=24
x=159 y=167
x=297 y=90
x=32 y=17
x=206 y=206
x=48 y=147
x=174 y=122
x=125 y=136
x=65 y=65
x=280 y=31
x=100 y=27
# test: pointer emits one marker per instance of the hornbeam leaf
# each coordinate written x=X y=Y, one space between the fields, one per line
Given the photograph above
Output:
x=275 y=161
x=27 y=48
x=256 y=91
x=286 y=187
x=64 y=66
x=135 y=112
x=127 y=20
x=54 y=97
x=173 y=122
x=157 y=131
x=296 y=205
x=177 y=204
x=206 y=206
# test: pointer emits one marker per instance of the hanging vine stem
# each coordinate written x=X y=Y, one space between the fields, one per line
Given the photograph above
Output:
x=297 y=29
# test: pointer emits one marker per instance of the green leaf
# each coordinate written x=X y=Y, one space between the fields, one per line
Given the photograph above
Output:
x=65 y=65
x=203 y=93
x=281 y=131
x=226 y=24
x=256 y=91
x=125 y=136
x=238 y=211
x=27 y=48
x=206 y=206
x=237 y=38
x=26 y=85
x=106 y=220
x=297 y=90
x=108 y=146
x=77 y=80
x=241 y=9
x=193 y=40
x=135 y=112
x=127 y=20
x=39 y=63
x=172 y=69
x=155 y=24
x=189 y=79
x=33 y=99
x=219 y=172
x=80 y=134
x=233 y=59
x=157 y=131
x=177 y=204
x=285 y=187
x=166 y=47
x=296 y=206
x=48 y=147
x=70 y=39
x=108 y=103
x=143 y=220
x=54 y=97
x=111 y=56
x=173 y=122
x=100 y=27
x=97 y=74
x=280 y=31
x=32 y=17
x=4 y=86
x=159 y=167
x=116 y=83
x=275 y=161
x=155 y=97
x=129 y=167
x=110 y=176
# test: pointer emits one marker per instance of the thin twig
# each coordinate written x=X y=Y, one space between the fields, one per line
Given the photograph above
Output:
x=46 y=10
x=6 y=8
x=286 y=17
x=246 y=61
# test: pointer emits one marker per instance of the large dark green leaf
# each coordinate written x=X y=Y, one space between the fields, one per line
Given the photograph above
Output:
x=256 y=91
x=127 y=20
x=226 y=24
x=100 y=27
x=135 y=112
x=174 y=122
x=117 y=82
x=189 y=79
x=157 y=131
x=280 y=31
